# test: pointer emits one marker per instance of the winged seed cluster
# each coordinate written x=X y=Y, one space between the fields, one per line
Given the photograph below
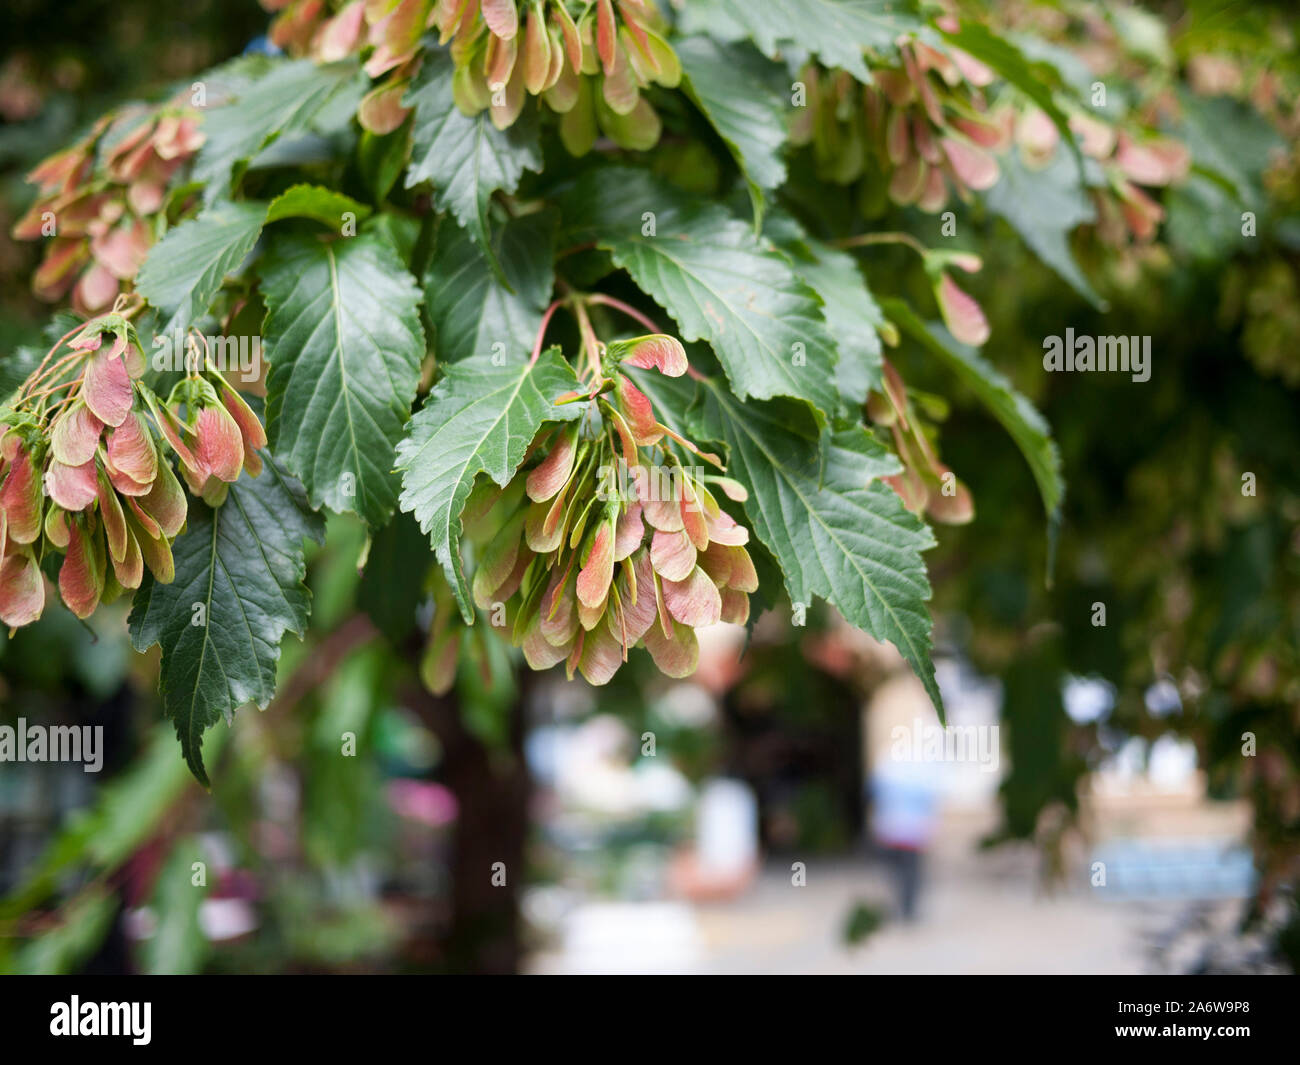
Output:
x=82 y=475
x=98 y=199
x=589 y=70
x=604 y=540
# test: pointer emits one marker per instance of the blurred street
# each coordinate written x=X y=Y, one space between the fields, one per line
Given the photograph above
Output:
x=981 y=912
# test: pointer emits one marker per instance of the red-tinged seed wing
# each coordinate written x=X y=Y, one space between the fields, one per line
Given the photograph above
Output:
x=22 y=591
x=81 y=577
x=735 y=606
x=75 y=435
x=20 y=499
x=538 y=650
x=694 y=601
x=130 y=570
x=601 y=657
x=537 y=52
x=598 y=571
x=976 y=167
x=549 y=476
x=724 y=529
x=131 y=450
x=672 y=555
x=71 y=487
x=637 y=409
x=658 y=352
x=743 y=576
x=106 y=388
x=716 y=562
x=606 y=38
x=693 y=517
x=676 y=655
x=501 y=17
x=220 y=446
x=629 y=533
x=110 y=512
x=572 y=39
x=638 y=610
x=961 y=313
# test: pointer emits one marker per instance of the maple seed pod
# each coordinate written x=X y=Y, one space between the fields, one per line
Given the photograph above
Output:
x=81 y=577
x=653 y=352
x=603 y=541
x=252 y=434
x=961 y=313
x=572 y=38
x=22 y=591
x=102 y=198
x=563 y=93
x=637 y=131
x=578 y=123
x=74 y=488
x=606 y=34
x=537 y=52
x=20 y=496
x=502 y=17
x=90 y=453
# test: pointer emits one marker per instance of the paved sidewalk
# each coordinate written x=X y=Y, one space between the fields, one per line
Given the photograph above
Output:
x=980 y=912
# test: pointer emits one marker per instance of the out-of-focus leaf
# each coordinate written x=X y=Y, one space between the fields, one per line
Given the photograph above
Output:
x=285 y=101
x=317 y=203
x=1044 y=206
x=740 y=93
x=177 y=946
x=836 y=31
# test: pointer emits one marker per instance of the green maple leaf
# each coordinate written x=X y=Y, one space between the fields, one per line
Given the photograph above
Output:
x=283 y=102
x=836 y=529
x=480 y=418
x=184 y=270
x=836 y=31
x=851 y=312
x=741 y=94
x=1043 y=206
x=243 y=564
x=345 y=342
x=472 y=310
x=466 y=159
x=318 y=203
x=719 y=281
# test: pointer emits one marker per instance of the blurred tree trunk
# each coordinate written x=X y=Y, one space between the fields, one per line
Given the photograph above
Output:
x=492 y=787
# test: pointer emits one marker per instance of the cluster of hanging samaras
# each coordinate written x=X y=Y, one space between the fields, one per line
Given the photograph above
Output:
x=84 y=475
x=925 y=127
x=606 y=538
x=590 y=70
